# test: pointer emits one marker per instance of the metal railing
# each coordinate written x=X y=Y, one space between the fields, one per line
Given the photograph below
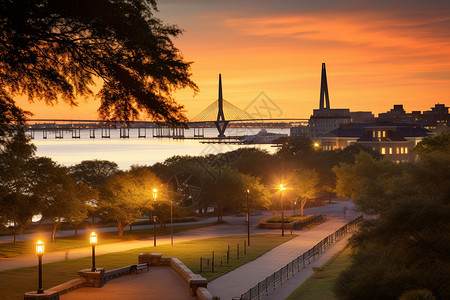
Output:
x=283 y=274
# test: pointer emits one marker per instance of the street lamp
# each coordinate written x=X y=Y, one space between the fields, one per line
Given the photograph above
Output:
x=93 y=241
x=40 y=252
x=171 y=221
x=155 y=195
x=295 y=205
x=248 y=219
x=282 y=188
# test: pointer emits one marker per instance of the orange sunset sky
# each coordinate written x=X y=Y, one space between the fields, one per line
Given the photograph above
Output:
x=377 y=53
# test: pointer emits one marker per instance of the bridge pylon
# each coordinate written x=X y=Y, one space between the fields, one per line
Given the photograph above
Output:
x=221 y=123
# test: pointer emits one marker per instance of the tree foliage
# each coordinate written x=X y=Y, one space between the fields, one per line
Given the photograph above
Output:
x=407 y=246
x=127 y=195
x=17 y=202
x=436 y=143
x=58 y=197
x=366 y=182
x=303 y=186
x=58 y=49
x=95 y=172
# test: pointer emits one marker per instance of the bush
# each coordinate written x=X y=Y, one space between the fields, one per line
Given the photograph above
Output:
x=417 y=295
x=287 y=219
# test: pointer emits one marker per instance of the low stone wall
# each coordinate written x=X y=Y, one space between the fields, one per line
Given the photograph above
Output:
x=192 y=280
x=203 y=294
x=69 y=286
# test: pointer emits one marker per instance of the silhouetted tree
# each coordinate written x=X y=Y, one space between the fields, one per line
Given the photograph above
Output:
x=95 y=172
x=407 y=246
x=61 y=48
x=17 y=203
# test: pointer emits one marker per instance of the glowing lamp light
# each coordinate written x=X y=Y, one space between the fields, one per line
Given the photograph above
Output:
x=155 y=194
x=93 y=238
x=40 y=247
x=282 y=188
x=316 y=145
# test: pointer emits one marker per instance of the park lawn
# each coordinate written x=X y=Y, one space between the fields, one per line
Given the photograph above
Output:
x=9 y=250
x=18 y=281
x=320 y=284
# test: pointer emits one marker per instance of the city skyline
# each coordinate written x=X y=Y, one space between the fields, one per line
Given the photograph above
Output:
x=377 y=54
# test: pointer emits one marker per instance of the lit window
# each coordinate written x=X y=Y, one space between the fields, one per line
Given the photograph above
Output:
x=384 y=133
x=397 y=150
x=406 y=150
x=383 y=150
x=390 y=150
x=401 y=150
x=379 y=134
x=374 y=133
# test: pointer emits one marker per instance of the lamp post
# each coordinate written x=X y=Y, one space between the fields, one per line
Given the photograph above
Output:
x=295 y=205
x=248 y=219
x=282 y=188
x=171 y=221
x=93 y=241
x=155 y=195
x=40 y=253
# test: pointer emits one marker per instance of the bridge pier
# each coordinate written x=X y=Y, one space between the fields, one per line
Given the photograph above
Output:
x=76 y=133
x=106 y=133
x=59 y=134
x=124 y=133
x=199 y=132
x=142 y=135
x=92 y=133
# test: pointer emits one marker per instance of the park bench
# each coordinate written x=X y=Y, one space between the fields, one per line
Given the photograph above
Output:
x=139 y=267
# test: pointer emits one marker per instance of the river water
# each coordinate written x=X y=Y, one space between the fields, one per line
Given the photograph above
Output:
x=134 y=150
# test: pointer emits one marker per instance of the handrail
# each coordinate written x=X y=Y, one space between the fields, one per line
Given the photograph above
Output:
x=299 y=263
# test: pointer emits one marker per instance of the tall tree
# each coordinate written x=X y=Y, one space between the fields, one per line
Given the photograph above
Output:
x=407 y=246
x=56 y=192
x=16 y=191
x=365 y=181
x=304 y=186
x=127 y=195
x=95 y=172
x=61 y=48
x=84 y=196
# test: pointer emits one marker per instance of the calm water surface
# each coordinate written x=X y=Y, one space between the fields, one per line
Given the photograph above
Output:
x=134 y=150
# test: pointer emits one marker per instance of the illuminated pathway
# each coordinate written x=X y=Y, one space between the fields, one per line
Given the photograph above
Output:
x=240 y=280
x=235 y=226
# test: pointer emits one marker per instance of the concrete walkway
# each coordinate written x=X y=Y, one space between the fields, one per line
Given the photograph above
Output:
x=283 y=291
x=243 y=278
x=157 y=283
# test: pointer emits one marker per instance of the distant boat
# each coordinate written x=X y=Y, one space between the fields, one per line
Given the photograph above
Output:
x=263 y=137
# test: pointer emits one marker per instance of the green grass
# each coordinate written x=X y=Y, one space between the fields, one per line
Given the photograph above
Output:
x=16 y=282
x=320 y=284
x=27 y=247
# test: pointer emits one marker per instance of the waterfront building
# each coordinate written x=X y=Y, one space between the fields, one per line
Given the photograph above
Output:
x=396 y=141
x=434 y=119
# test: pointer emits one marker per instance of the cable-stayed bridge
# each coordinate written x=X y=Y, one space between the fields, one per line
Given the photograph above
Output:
x=220 y=113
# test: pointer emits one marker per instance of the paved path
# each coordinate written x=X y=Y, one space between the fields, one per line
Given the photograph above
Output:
x=157 y=283
x=243 y=278
x=283 y=291
x=235 y=226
